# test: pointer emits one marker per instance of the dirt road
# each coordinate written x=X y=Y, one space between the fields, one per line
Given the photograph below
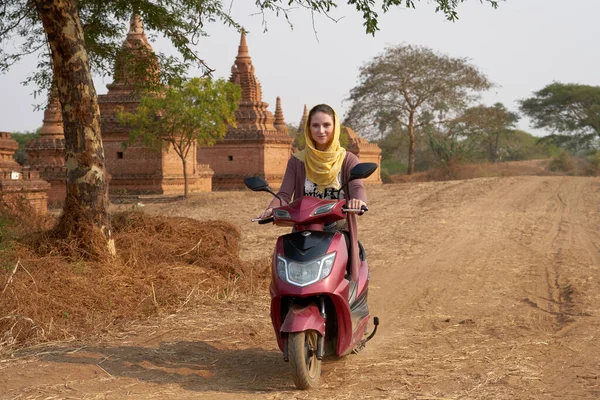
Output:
x=486 y=289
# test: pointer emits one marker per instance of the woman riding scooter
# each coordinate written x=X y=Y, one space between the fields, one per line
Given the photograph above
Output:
x=319 y=278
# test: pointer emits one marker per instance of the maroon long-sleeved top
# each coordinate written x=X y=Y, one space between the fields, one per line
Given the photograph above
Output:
x=294 y=179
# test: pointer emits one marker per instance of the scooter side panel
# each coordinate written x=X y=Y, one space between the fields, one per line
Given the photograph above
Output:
x=353 y=328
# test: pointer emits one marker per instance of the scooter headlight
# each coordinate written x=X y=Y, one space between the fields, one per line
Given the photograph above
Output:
x=305 y=273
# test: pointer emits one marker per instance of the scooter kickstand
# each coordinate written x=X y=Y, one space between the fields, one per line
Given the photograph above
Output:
x=361 y=345
x=376 y=324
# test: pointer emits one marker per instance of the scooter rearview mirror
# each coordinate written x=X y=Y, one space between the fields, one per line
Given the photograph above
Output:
x=362 y=170
x=256 y=184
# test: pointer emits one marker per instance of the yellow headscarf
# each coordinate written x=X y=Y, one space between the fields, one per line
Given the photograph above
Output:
x=323 y=167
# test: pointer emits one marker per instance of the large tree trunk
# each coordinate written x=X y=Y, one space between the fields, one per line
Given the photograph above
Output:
x=411 y=144
x=85 y=217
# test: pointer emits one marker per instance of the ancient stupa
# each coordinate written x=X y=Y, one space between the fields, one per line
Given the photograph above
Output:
x=47 y=153
x=17 y=182
x=366 y=152
x=301 y=127
x=139 y=169
x=256 y=146
x=279 y=122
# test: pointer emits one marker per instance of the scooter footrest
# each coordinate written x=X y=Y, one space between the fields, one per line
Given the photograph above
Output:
x=359 y=347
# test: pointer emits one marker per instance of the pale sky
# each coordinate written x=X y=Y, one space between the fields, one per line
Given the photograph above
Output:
x=521 y=47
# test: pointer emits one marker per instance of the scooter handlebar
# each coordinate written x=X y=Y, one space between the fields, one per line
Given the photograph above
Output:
x=263 y=221
x=359 y=211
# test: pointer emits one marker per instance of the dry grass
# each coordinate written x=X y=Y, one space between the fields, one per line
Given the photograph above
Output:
x=164 y=264
x=482 y=170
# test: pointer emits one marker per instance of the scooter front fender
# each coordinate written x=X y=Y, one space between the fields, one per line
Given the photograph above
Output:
x=303 y=318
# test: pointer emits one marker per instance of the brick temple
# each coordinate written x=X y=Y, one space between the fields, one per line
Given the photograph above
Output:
x=46 y=155
x=259 y=144
x=139 y=169
x=17 y=182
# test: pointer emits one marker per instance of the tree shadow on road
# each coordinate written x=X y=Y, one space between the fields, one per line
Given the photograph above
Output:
x=195 y=366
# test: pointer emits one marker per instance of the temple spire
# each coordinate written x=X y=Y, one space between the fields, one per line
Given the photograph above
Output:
x=127 y=72
x=279 y=121
x=135 y=25
x=243 y=47
x=52 y=124
x=136 y=37
x=242 y=73
x=303 y=120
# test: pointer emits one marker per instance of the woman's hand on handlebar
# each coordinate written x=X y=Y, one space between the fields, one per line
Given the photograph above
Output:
x=266 y=214
x=355 y=204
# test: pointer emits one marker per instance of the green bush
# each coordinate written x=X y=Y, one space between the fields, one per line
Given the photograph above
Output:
x=22 y=138
x=594 y=159
x=562 y=163
x=386 y=177
x=393 y=167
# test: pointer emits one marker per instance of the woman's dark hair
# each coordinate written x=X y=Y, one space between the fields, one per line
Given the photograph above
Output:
x=324 y=108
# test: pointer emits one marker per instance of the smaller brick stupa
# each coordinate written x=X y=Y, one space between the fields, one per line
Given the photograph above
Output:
x=47 y=153
x=366 y=152
x=255 y=147
x=301 y=126
x=279 y=122
x=139 y=169
x=17 y=182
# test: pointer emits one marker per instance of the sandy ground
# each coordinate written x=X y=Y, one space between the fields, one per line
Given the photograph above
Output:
x=486 y=289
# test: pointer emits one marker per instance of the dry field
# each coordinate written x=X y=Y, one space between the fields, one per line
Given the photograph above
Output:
x=486 y=289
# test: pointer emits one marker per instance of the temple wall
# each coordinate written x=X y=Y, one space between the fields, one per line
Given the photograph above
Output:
x=232 y=162
x=136 y=170
x=199 y=176
x=201 y=183
x=371 y=157
x=57 y=177
x=28 y=187
x=235 y=160
x=172 y=166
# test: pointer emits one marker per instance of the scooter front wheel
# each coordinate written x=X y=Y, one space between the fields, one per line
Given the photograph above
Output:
x=302 y=352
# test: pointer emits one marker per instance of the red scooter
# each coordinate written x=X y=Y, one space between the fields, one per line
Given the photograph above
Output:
x=319 y=281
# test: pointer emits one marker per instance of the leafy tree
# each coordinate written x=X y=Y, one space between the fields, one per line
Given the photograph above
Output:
x=521 y=145
x=292 y=129
x=366 y=8
x=409 y=87
x=54 y=30
x=570 y=111
x=449 y=143
x=196 y=114
x=489 y=126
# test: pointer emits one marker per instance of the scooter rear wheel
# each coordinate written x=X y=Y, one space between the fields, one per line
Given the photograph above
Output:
x=302 y=351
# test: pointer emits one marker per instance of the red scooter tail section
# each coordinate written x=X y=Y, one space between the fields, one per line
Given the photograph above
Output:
x=300 y=318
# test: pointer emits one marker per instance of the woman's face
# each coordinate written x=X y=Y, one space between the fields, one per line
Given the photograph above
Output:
x=321 y=130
